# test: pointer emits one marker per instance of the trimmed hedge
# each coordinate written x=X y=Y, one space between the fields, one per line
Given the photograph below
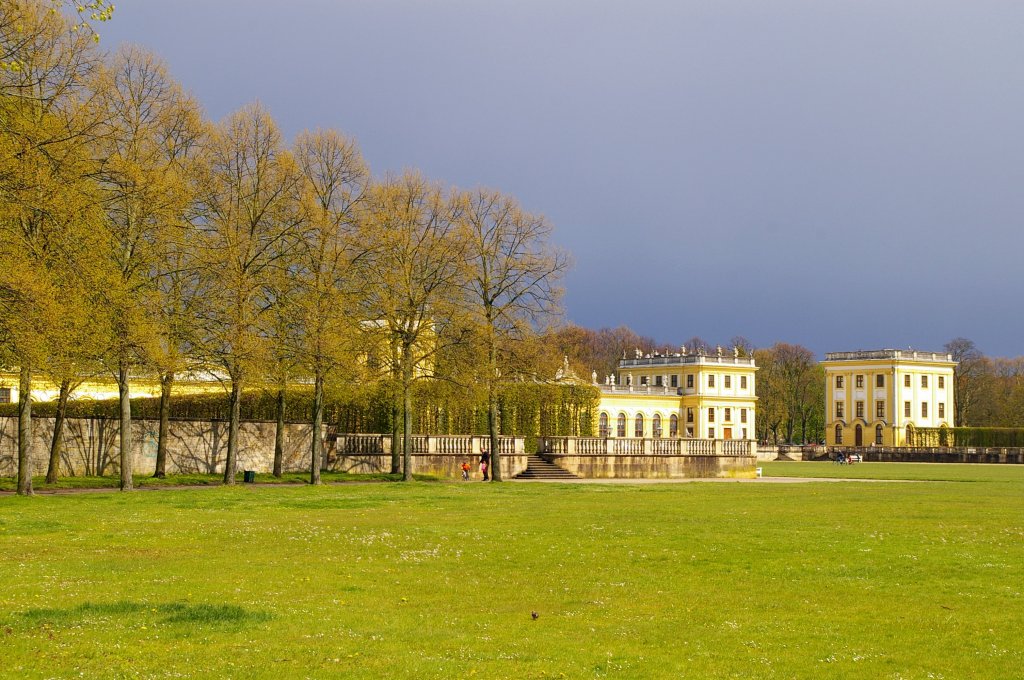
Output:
x=527 y=409
x=988 y=437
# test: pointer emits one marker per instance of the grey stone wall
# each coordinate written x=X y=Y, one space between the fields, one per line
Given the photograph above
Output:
x=440 y=465
x=91 y=448
x=627 y=466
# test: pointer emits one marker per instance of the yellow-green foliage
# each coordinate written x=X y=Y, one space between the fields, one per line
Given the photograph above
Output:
x=528 y=409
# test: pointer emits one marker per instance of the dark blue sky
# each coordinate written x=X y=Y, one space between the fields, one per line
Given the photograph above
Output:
x=844 y=174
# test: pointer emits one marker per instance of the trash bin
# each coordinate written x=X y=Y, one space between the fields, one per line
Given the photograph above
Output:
x=249 y=476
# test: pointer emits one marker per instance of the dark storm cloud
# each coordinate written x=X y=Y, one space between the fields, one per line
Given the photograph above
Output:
x=840 y=174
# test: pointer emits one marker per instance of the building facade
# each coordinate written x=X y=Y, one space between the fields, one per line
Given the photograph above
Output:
x=689 y=395
x=878 y=397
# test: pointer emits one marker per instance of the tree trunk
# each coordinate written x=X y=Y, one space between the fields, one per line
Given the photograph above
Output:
x=407 y=415
x=494 y=466
x=317 y=440
x=125 y=435
x=25 y=431
x=57 y=443
x=279 y=434
x=396 y=435
x=231 y=464
x=166 y=383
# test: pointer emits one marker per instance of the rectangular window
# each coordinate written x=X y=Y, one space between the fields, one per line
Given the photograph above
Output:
x=728 y=381
x=924 y=409
x=879 y=409
x=744 y=433
x=879 y=380
x=906 y=409
x=860 y=382
x=711 y=433
x=743 y=382
x=658 y=382
x=711 y=415
x=5 y=395
x=689 y=380
x=743 y=417
x=643 y=380
x=689 y=417
x=924 y=381
x=675 y=381
x=728 y=415
x=942 y=409
x=839 y=382
x=906 y=380
x=839 y=409
x=711 y=380
x=860 y=409
x=942 y=382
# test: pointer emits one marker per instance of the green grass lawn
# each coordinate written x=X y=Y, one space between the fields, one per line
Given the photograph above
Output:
x=936 y=472
x=743 y=580
x=146 y=481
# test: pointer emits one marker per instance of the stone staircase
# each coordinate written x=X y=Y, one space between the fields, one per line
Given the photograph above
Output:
x=538 y=468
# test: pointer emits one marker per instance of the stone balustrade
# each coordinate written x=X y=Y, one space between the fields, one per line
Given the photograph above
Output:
x=428 y=444
x=635 y=458
x=605 y=446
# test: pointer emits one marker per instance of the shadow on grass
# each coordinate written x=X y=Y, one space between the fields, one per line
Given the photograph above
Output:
x=179 y=613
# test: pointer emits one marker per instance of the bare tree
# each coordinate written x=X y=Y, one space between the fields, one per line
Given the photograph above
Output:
x=336 y=178
x=414 y=267
x=248 y=222
x=512 y=272
x=47 y=208
x=966 y=378
x=146 y=117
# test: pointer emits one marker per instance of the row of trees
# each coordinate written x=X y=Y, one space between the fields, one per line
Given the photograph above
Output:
x=137 y=238
x=989 y=390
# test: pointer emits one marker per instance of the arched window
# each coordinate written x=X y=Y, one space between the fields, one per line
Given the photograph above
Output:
x=620 y=425
x=878 y=435
x=910 y=436
x=839 y=434
x=656 y=426
x=603 y=425
x=638 y=425
x=673 y=425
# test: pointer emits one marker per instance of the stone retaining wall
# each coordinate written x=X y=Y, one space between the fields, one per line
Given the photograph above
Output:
x=91 y=447
x=1012 y=456
x=628 y=466
x=447 y=465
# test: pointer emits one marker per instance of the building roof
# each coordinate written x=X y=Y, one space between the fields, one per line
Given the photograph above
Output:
x=890 y=354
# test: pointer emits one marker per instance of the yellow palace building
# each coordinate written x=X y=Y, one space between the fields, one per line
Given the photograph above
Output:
x=704 y=395
x=878 y=397
x=105 y=388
